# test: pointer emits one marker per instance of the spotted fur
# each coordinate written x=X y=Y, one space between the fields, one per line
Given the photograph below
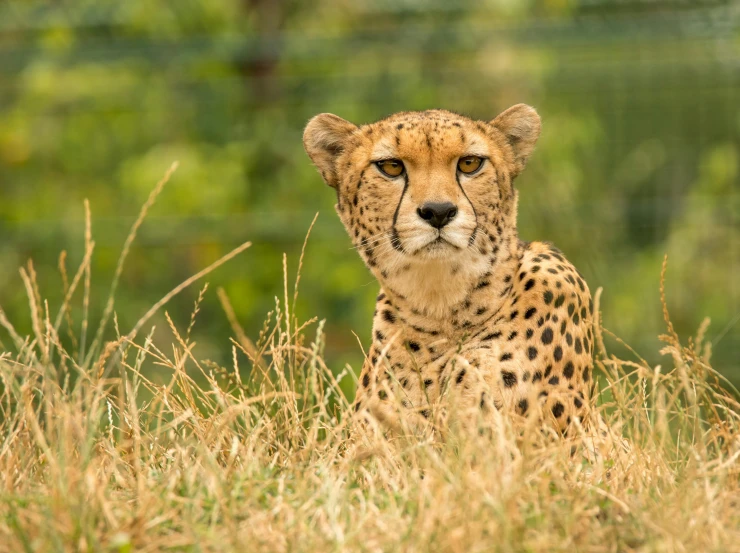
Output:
x=467 y=310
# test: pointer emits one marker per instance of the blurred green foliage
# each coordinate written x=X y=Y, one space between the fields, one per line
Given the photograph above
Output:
x=639 y=153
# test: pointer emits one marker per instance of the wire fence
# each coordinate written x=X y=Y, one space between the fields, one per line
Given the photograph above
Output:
x=639 y=153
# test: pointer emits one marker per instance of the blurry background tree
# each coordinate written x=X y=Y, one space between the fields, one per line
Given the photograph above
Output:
x=639 y=154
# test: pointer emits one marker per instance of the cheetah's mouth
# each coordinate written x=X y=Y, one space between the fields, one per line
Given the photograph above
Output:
x=428 y=245
x=437 y=245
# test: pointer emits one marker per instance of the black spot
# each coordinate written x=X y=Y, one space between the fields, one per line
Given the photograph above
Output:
x=577 y=402
x=357 y=406
x=540 y=322
x=548 y=370
x=379 y=336
x=491 y=336
x=554 y=381
x=523 y=406
x=481 y=310
x=557 y=354
x=558 y=409
x=569 y=338
x=559 y=300
x=482 y=284
x=512 y=335
x=562 y=327
x=399 y=126
x=366 y=380
x=529 y=312
x=414 y=346
x=555 y=318
x=583 y=312
x=460 y=376
x=404 y=382
x=537 y=377
x=425 y=413
x=531 y=353
x=547 y=297
x=580 y=285
x=568 y=370
x=571 y=308
x=586 y=374
x=552 y=271
x=525 y=376
x=547 y=336
x=389 y=317
x=529 y=284
x=579 y=348
x=382 y=394
x=505 y=357
x=513 y=315
x=509 y=378
x=428 y=382
x=535 y=268
x=576 y=318
x=530 y=332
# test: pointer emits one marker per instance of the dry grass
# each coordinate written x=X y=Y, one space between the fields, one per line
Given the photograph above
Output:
x=96 y=457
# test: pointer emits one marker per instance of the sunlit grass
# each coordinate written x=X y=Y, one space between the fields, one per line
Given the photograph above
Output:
x=261 y=455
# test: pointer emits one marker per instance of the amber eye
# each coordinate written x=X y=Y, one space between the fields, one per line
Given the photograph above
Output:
x=469 y=164
x=390 y=167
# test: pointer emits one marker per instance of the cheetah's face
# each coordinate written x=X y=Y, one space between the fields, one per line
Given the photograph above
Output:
x=423 y=188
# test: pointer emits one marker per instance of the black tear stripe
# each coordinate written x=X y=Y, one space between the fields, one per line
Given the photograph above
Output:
x=395 y=240
x=475 y=214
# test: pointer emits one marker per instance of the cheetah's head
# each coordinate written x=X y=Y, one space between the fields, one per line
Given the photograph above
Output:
x=424 y=190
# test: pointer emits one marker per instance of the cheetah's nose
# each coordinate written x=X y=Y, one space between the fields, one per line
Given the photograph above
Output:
x=437 y=214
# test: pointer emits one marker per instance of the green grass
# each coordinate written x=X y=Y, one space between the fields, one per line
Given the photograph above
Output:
x=261 y=455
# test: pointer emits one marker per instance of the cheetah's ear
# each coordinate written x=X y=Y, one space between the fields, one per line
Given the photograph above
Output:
x=324 y=139
x=521 y=126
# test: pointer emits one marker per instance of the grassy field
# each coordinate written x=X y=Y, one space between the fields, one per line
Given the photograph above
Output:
x=258 y=456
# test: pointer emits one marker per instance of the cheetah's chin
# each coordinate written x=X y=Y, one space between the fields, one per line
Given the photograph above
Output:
x=443 y=245
x=438 y=248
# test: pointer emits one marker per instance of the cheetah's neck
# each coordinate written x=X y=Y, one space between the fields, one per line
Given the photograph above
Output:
x=455 y=297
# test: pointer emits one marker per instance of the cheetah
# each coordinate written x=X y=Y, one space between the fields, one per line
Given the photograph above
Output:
x=465 y=306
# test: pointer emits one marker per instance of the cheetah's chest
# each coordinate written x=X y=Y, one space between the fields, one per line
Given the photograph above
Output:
x=534 y=347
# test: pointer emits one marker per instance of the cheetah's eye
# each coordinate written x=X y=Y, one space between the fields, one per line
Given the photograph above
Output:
x=390 y=167
x=469 y=164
